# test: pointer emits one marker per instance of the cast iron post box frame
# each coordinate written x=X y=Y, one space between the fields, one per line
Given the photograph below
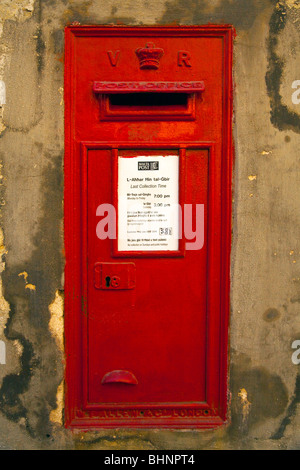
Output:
x=80 y=412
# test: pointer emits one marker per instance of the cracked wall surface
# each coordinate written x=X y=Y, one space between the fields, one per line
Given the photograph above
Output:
x=264 y=384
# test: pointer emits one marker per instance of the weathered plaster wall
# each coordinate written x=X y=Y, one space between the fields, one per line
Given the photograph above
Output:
x=264 y=388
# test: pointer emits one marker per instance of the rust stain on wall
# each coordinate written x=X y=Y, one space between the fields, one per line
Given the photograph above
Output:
x=27 y=285
x=246 y=405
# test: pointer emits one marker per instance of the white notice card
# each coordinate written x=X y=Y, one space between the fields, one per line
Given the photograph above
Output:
x=148 y=203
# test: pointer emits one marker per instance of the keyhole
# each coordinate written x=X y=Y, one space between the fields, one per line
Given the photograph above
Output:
x=107 y=280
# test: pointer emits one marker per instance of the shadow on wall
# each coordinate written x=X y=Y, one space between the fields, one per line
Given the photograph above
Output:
x=257 y=395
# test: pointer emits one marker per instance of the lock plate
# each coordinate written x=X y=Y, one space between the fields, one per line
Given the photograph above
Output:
x=114 y=276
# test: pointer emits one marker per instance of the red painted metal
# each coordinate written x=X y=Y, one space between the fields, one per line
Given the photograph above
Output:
x=170 y=329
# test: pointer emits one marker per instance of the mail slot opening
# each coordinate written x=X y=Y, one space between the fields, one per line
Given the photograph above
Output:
x=134 y=106
x=149 y=99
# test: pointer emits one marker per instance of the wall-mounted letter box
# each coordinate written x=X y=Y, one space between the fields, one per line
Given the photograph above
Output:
x=147 y=225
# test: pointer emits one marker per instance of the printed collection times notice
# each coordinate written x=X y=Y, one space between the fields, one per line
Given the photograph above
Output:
x=148 y=198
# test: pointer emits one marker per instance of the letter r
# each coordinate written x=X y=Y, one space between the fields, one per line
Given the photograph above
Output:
x=184 y=57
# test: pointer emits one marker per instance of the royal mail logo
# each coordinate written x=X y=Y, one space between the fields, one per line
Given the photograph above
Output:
x=148 y=166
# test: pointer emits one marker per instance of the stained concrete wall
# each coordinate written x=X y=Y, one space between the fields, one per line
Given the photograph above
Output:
x=264 y=387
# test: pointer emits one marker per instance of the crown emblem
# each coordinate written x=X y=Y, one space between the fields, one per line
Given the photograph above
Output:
x=149 y=56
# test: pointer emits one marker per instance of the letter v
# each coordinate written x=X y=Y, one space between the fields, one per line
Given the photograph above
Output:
x=113 y=57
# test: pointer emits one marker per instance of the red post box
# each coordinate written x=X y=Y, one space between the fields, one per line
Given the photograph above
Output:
x=147 y=225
